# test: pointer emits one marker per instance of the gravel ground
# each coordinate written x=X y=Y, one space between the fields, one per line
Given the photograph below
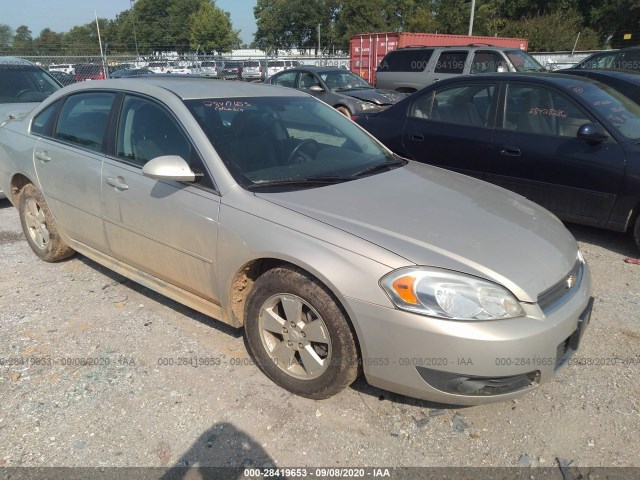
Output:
x=130 y=410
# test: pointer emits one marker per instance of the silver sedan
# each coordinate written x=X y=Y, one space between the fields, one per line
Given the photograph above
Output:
x=269 y=210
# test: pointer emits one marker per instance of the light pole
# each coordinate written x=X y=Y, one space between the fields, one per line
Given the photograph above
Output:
x=473 y=9
x=135 y=38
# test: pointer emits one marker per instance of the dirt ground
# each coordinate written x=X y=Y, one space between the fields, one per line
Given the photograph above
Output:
x=128 y=405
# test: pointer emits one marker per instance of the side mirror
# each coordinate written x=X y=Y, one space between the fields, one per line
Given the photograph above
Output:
x=169 y=167
x=316 y=89
x=592 y=133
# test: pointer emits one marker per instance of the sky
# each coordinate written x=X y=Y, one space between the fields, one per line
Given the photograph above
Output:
x=40 y=14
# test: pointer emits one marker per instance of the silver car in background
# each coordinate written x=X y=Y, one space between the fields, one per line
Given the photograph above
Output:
x=267 y=209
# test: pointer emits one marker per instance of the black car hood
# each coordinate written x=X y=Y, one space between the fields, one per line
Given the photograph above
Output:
x=374 y=95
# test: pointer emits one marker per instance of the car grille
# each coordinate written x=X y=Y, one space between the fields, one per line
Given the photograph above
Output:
x=554 y=297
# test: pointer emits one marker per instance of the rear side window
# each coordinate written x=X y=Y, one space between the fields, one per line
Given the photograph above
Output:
x=43 y=122
x=405 y=60
x=451 y=62
x=83 y=119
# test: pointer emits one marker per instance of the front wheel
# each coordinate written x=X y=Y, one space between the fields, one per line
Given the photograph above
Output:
x=39 y=227
x=636 y=232
x=299 y=336
x=344 y=110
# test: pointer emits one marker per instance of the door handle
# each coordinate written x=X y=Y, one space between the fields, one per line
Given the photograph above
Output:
x=510 y=151
x=416 y=137
x=118 y=183
x=43 y=156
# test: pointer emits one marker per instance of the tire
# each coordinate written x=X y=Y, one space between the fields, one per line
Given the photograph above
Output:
x=310 y=359
x=636 y=232
x=39 y=228
x=344 y=110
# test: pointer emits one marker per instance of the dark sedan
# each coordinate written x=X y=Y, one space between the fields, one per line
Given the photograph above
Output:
x=342 y=89
x=626 y=82
x=570 y=144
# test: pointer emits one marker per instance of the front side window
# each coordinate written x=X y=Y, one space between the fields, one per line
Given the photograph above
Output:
x=146 y=131
x=487 y=61
x=270 y=141
x=535 y=109
x=83 y=119
x=451 y=62
x=523 y=62
x=308 y=80
x=343 y=80
x=468 y=105
x=287 y=79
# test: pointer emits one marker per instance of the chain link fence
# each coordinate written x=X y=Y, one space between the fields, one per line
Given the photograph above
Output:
x=247 y=67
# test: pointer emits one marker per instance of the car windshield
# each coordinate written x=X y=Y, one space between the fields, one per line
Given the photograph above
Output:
x=523 y=61
x=25 y=84
x=288 y=142
x=342 y=80
x=621 y=112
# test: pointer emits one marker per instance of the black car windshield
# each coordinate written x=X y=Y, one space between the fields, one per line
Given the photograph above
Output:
x=296 y=142
x=622 y=113
x=25 y=83
x=523 y=61
x=342 y=80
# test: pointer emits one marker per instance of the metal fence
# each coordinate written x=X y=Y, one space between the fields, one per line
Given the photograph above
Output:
x=240 y=66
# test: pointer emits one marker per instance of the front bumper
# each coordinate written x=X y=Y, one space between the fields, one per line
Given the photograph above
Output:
x=468 y=363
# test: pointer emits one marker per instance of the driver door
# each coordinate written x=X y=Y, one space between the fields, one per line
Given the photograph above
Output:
x=165 y=228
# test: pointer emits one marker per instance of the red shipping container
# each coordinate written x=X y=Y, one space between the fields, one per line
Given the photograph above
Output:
x=368 y=49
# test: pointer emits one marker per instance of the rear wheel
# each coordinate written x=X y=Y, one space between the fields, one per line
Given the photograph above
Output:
x=636 y=232
x=299 y=336
x=39 y=227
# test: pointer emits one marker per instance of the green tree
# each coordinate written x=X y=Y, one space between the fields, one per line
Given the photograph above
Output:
x=211 y=30
x=23 y=41
x=556 y=30
x=6 y=36
x=358 y=16
x=48 y=43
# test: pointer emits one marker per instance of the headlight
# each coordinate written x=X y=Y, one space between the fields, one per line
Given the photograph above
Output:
x=449 y=295
x=369 y=107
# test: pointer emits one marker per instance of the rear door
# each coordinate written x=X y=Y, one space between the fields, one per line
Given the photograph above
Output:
x=536 y=153
x=452 y=126
x=69 y=162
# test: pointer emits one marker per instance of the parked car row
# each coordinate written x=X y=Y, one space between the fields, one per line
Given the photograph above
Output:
x=336 y=252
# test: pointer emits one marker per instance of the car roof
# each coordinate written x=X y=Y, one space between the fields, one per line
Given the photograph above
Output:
x=471 y=45
x=186 y=87
x=629 y=75
x=15 y=61
x=313 y=68
x=561 y=79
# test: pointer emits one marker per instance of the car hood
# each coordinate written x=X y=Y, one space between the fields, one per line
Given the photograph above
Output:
x=434 y=217
x=377 y=96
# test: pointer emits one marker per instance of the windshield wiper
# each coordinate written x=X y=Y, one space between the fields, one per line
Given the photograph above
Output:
x=305 y=181
x=380 y=167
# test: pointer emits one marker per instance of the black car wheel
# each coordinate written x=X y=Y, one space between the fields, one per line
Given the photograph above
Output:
x=298 y=334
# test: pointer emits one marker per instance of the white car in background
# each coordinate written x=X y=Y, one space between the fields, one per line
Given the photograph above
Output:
x=63 y=67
